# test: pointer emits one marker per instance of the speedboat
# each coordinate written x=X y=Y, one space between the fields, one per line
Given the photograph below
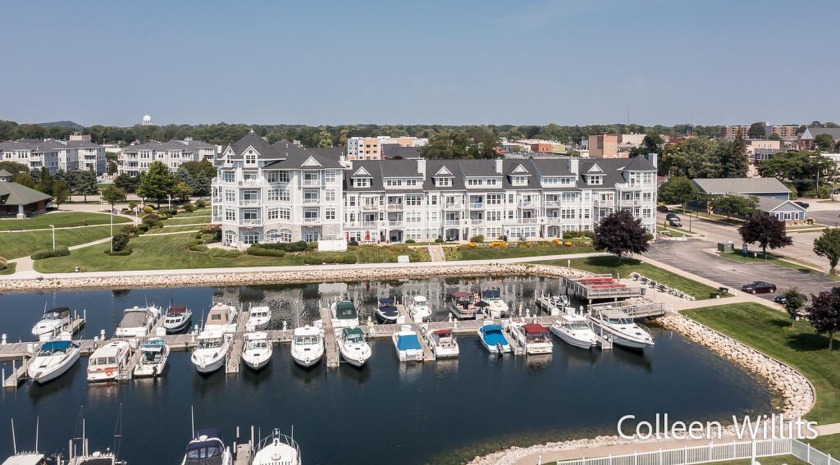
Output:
x=277 y=449
x=534 y=337
x=496 y=307
x=552 y=304
x=492 y=338
x=257 y=351
x=137 y=323
x=387 y=311
x=207 y=448
x=54 y=358
x=307 y=346
x=352 y=346
x=259 y=318
x=408 y=345
x=574 y=330
x=211 y=350
x=221 y=317
x=344 y=314
x=51 y=323
x=108 y=361
x=443 y=343
x=619 y=327
x=420 y=310
x=463 y=305
x=177 y=319
x=153 y=357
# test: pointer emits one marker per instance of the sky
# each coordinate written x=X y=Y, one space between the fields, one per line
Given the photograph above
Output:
x=420 y=62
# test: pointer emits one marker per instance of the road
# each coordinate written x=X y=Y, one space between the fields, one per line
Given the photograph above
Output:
x=691 y=256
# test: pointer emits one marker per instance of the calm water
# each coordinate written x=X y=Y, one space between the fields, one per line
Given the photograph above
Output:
x=442 y=412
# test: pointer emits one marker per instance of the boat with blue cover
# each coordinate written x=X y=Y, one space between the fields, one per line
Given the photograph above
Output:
x=53 y=360
x=493 y=338
x=407 y=345
x=387 y=311
x=207 y=448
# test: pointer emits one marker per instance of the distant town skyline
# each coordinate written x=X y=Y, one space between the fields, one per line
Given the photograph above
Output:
x=569 y=62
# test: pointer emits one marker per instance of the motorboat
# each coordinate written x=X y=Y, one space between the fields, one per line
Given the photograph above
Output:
x=492 y=338
x=407 y=345
x=352 y=346
x=54 y=358
x=154 y=354
x=108 y=361
x=307 y=346
x=386 y=311
x=534 y=337
x=277 y=449
x=419 y=309
x=211 y=350
x=257 y=351
x=259 y=318
x=207 y=448
x=177 y=319
x=344 y=314
x=137 y=323
x=496 y=306
x=574 y=330
x=51 y=323
x=221 y=317
x=552 y=304
x=621 y=329
x=463 y=305
x=443 y=343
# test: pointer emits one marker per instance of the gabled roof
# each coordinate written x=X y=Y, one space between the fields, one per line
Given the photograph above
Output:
x=519 y=169
x=754 y=186
x=594 y=169
x=813 y=132
x=311 y=162
x=639 y=164
x=256 y=142
x=5 y=174
x=443 y=172
x=12 y=193
x=361 y=173
x=769 y=205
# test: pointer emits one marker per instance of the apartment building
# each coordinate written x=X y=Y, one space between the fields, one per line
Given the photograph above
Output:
x=603 y=146
x=786 y=132
x=370 y=148
x=135 y=159
x=90 y=156
x=735 y=131
x=65 y=155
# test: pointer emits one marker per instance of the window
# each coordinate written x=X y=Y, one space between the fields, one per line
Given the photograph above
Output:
x=285 y=196
x=414 y=200
x=285 y=214
x=519 y=180
x=329 y=195
x=250 y=237
x=510 y=198
x=443 y=182
x=230 y=215
x=249 y=175
x=228 y=176
x=413 y=217
x=272 y=176
x=329 y=214
x=494 y=215
x=230 y=195
x=273 y=214
x=432 y=199
x=283 y=176
x=596 y=180
x=472 y=182
x=250 y=158
x=351 y=200
x=433 y=217
x=250 y=196
x=250 y=214
x=494 y=199
x=329 y=177
x=567 y=214
x=310 y=215
x=311 y=196
x=310 y=178
x=361 y=182
x=273 y=195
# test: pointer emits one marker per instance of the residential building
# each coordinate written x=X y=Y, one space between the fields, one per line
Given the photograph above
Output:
x=631 y=140
x=370 y=148
x=90 y=156
x=734 y=131
x=603 y=146
x=135 y=159
x=782 y=209
x=807 y=139
x=770 y=188
x=762 y=149
x=784 y=131
x=18 y=200
x=66 y=155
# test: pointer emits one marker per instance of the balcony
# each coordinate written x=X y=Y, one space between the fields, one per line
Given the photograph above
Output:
x=552 y=203
x=369 y=224
x=310 y=182
x=249 y=203
x=393 y=223
x=370 y=207
x=311 y=220
x=256 y=222
x=528 y=204
x=528 y=220
x=629 y=202
x=452 y=222
x=476 y=221
x=453 y=206
x=312 y=201
x=604 y=203
x=395 y=206
x=476 y=205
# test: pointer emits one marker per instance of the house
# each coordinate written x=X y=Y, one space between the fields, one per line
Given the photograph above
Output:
x=65 y=155
x=807 y=139
x=770 y=188
x=784 y=210
x=18 y=200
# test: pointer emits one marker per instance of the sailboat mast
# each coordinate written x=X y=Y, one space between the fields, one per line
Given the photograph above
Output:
x=14 y=441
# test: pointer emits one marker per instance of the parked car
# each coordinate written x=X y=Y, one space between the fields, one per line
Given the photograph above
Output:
x=661 y=208
x=782 y=298
x=670 y=215
x=675 y=222
x=802 y=204
x=759 y=287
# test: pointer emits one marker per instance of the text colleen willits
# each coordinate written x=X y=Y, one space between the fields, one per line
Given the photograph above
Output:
x=746 y=428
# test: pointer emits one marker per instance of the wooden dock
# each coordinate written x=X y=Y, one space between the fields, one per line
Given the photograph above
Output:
x=330 y=342
x=234 y=358
x=600 y=287
x=244 y=454
x=19 y=373
x=515 y=347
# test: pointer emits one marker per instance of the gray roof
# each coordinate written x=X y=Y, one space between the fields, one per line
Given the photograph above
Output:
x=186 y=146
x=5 y=174
x=12 y=193
x=754 y=186
x=767 y=205
x=398 y=151
x=813 y=132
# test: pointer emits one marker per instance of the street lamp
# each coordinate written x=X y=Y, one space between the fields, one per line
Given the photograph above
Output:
x=53 y=235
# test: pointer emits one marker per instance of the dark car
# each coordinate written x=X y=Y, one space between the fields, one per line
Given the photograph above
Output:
x=802 y=204
x=782 y=298
x=675 y=222
x=670 y=215
x=661 y=208
x=759 y=287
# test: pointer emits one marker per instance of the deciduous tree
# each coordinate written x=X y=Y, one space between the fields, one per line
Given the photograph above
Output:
x=126 y=182
x=86 y=183
x=757 y=131
x=767 y=230
x=113 y=195
x=156 y=184
x=828 y=246
x=733 y=205
x=61 y=193
x=824 y=142
x=679 y=190
x=794 y=300
x=824 y=313
x=620 y=233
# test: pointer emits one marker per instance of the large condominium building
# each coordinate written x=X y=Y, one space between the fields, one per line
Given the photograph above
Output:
x=370 y=148
x=66 y=155
x=135 y=159
x=269 y=193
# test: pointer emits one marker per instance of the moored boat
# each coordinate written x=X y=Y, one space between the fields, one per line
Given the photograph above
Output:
x=621 y=329
x=419 y=309
x=207 y=448
x=154 y=354
x=221 y=317
x=534 y=337
x=211 y=350
x=51 y=323
x=552 y=304
x=574 y=330
x=277 y=449
x=137 y=323
x=386 y=311
x=307 y=346
x=443 y=343
x=344 y=314
x=108 y=361
x=463 y=305
x=177 y=319
x=259 y=318
x=54 y=358
x=407 y=345
x=352 y=346
x=257 y=351
x=492 y=338
x=496 y=307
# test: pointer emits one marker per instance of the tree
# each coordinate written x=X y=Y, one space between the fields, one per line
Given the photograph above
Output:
x=198 y=175
x=113 y=195
x=182 y=191
x=127 y=183
x=757 y=131
x=60 y=193
x=45 y=181
x=767 y=230
x=621 y=233
x=652 y=143
x=801 y=168
x=325 y=139
x=25 y=179
x=733 y=205
x=112 y=168
x=774 y=136
x=86 y=183
x=824 y=313
x=156 y=184
x=794 y=300
x=13 y=167
x=824 y=142
x=678 y=190
x=733 y=158
x=828 y=246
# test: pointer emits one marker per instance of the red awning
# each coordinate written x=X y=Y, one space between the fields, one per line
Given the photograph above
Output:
x=533 y=328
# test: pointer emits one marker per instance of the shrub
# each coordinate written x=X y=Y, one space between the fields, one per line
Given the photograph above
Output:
x=46 y=253
x=132 y=205
x=299 y=246
x=168 y=211
x=200 y=203
x=148 y=209
x=265 y=252
x=188 y=207
x=119 y=253
x=3 y=263
x=498 y=245
x=353 y=243
x=197 y=247
x=223 y=253
x=479 y=238
x=309 y=260
x=439 y=240
x=410 y=241
x=472 y=245
x=143 y=228
x=120 y=241
x=349 y=258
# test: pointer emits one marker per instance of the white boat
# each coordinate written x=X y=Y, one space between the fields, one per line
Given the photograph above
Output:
x=619 y=327
x=352 y=346
x=153 y=357
x=107 y=362
x=307 y=346
x=407 y=345
x=574 y=330
x=496 y=307
x=552 y=304
x=259 y=318
x=207 y=448
x=344 y=314
x=443 y=343
x=26 y=458
x=534 y=337
x=177 y=319
x=463 y=305
x=54 y=358
x=137 y=323
x=95 y=458
x=221 y=317
x=51 y=323
x=277 y=449
x=257 y=351
x=211 y=350
x=419 y=309
x=492 y=338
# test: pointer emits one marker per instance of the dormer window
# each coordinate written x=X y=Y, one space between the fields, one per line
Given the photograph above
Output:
x=443 y=182
x=519 y=180
x=595 y=180
x=250 y=158
x=361 y=182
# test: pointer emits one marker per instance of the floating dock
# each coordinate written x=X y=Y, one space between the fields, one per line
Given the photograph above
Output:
x=330 y=342
x=234 y=358
x=600 y=287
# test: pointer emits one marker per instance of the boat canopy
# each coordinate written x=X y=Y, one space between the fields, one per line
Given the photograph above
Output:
x=353 y=331
x=345 y=310
x=491 y=294
x=386 y=301
x=177 y=310
x=389 y=310
x=486 y=329
x=408 y=342
x=55 y=346
x=206 y=449
x=420 y=299
x=534 y=328
x=154 y=344
x=461 y=295
x=443 y=332
x=57 y=312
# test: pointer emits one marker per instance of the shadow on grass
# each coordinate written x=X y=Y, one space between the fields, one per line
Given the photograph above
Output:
x=780 y=323
x=809 y=342
x=611 y=261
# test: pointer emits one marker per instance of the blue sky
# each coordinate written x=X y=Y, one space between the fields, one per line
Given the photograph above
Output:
x=431 y=61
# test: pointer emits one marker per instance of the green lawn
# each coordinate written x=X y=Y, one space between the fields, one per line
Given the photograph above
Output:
x=173 y=229
x=461 y=253
x=769 y=331
x=200 y=212
x=10 y=269
x=829 y=444
x=15 y=245
x=60 y=219
x=188 y=220
x=774 y=460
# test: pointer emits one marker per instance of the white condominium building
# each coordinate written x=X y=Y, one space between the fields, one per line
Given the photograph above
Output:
x=65 y=155
x=135 y=159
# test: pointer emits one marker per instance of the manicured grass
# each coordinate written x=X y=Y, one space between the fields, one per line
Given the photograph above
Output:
x=608 y=265
x=774 y=460
x=60 y=220
x=829 y=444
x=188 y=220
x=200 y=212
x=770 y=332
x=10 y=269
x=462 y=253
x=155 y=231
x=14 y=245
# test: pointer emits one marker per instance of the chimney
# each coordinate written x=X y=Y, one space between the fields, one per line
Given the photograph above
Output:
x=421 y=167
x=499 y=166
x=574 y=164
x=653 y=158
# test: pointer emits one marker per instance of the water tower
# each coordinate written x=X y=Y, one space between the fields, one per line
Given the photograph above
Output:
x=147 y=120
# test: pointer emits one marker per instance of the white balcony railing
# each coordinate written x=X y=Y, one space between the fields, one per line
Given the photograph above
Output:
x=248 y=203
x=310 y=183
x=370 y=206
x=395 y=223
x=395 y=206
x=476 y=221
x=528 y=220
x=452 y=222
x=476 y=205
x=311 y=220
x=257 y=222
